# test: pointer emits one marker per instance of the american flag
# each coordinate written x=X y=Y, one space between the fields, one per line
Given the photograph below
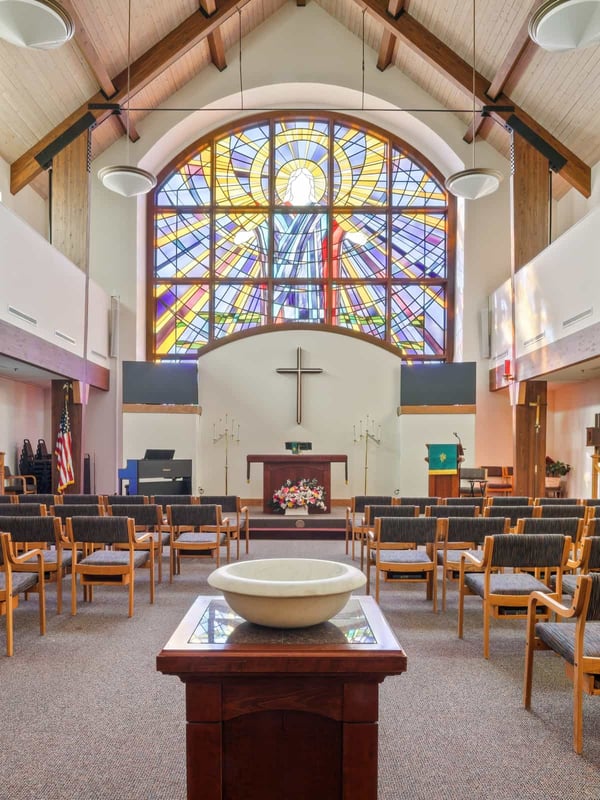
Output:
x=63 y=452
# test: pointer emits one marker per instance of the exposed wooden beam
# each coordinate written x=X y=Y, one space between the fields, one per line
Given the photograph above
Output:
x=456 y=70
x=152 y=63
x=128 y=125
x=89 y=52
x=388 y=40
x=215 y=40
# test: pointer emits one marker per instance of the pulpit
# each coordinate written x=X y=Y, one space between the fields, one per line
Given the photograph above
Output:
x=279 y=468
x=274 y=713
x=443 y=461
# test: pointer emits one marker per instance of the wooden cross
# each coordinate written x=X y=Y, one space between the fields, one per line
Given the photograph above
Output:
x=298 y=371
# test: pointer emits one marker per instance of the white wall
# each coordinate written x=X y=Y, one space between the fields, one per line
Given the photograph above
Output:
x=24 y=414
x=27 y=203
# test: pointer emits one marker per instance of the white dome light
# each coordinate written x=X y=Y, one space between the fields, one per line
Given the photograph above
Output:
x=471 y=184
x=562 y=25
x=41 y=24
x=127 y=181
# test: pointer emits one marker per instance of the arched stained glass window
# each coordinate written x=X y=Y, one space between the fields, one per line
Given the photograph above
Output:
x=301 y=220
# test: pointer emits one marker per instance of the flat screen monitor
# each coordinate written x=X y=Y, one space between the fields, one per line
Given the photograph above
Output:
x=296 y=446
x=159 y=455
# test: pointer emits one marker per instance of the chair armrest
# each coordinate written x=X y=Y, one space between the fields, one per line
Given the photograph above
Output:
x=18 y=478
x=20 y=563
x=540 y=598
x=141 y=538
x=472 y=558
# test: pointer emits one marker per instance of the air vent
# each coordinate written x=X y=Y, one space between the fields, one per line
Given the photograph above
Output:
x=99 y=355
x=65 y=337
x=500 y=356
x=534 y=339
x=22 y=315
x=578 y=317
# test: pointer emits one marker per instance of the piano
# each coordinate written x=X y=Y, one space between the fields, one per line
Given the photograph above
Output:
x=157 y=473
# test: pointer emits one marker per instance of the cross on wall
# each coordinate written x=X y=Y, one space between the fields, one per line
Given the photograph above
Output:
x=299 y=371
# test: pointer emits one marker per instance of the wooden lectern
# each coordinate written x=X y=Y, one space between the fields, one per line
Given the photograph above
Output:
x=444 y=475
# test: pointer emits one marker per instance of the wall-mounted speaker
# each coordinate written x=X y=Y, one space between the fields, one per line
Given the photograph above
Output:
x=592 y=437
x=484 y=333
x=113 y=327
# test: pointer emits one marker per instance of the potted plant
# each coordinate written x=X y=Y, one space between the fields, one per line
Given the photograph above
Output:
x=555 y=471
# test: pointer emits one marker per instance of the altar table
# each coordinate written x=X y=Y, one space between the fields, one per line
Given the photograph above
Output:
x=278 y=468
x=273 y=713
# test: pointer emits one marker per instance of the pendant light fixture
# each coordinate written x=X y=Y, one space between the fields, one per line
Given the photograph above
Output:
x=41 y=24
x=471 y=184
x=561 y=25
x=126 y=180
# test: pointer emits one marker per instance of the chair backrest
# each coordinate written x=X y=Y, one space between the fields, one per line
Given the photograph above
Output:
x=7 y=498
x=105 y=530
x=593 y=612
x=471 y=510
x=591 y=501
x=44 y=499
x=359 y=501
x=78 y=510
x=407 y=530
x=142 y=514
x=564 y=510
x=373 y=512
x=555 y=501
x=165 y=500
x=590 y=553
x=493 y=472
x=230 y=503
x=512 y=512
x=511 y=500
x=125 y=499
x=422 y=502
x=31 y=529
x=528 y=551
x=83 y=499
x=475 y=529
x=465 y=501
x=194 y=515
x=18 y=510
x=568 y=526
x=473 y=473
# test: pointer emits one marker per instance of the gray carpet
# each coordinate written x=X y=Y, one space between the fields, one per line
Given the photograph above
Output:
x=85 y=714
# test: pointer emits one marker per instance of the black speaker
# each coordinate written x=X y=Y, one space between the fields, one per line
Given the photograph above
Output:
x=555 y=159
x=87 y=474
x=45 y=156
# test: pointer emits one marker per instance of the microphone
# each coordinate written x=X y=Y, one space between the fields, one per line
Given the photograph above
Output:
x=461 y=450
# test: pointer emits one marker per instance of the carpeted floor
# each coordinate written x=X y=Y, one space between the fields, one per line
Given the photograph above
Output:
x=85 y=714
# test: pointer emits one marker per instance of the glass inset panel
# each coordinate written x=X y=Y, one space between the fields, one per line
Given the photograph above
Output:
x=359 y=246
x=189 y=185
x=181 y=314
x=412 y=185
x=419 y=246
x=301 y=303
x=359 y=307
x=419 y=320
x=239 y=307
x=301 y=162
x=241 y=245
x=182 y=246
x=359 y=168
x=242 y=167
x=299 y=245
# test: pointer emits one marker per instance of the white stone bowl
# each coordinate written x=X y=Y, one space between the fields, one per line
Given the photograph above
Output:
x=287 y=592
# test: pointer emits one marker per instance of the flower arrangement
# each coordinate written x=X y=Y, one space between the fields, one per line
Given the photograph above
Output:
x=299 y=493
x=555 y=469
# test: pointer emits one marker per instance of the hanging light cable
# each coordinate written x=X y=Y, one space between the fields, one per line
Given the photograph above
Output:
x=476 y=182
x=126 y=180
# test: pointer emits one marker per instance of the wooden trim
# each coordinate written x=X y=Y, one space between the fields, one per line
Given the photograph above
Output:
x=143 y=408
x=464 y=409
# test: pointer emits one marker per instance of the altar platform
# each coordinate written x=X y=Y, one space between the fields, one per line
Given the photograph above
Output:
x=331 y=525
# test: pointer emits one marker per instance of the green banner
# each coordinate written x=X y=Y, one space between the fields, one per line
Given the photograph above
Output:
x=443 y=459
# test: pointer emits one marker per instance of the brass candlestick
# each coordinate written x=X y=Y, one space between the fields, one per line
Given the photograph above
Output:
x=227 y=433
x=367 y=435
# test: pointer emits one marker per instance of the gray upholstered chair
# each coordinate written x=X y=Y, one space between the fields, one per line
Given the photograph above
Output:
x=125 y=499
x=8 y=498
x=556 y=501
x=480 y=502
x=44 y=534
x=355 y=528
x=568 y=526
x=565 y=510
x=100 y=566
x=43 y=499
x=514 y=513
x=420 y=501
x=577 y=643
x=148 y=518
x=400 y=548
x=13 y=582
x=83 y=499
x=512 y=500
x=464 y=533
x=373 y=512
x=23 y=510
x=18 y=484
x=504 y=594
x=65 y=510
x=196 y=531
x=443 y=510
x=587 y=561
x=473 y=481
x=238 y=515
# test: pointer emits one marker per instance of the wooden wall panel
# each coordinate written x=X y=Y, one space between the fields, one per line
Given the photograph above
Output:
x=71 y=202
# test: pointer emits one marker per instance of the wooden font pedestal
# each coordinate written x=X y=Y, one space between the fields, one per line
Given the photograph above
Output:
x=277 y=714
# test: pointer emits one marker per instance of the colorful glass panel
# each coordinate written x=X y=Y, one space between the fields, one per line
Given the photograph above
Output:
x=300 y=244
x=182 y=315
x=360 y=307
x=411 y=185
x=189 y=185
x=298 y=303
x=239 y=307
x=241 y=245
x=182 y=246
x=359 y=168
x=419 y=246
x=418 y=320
x=242 y=167
x=359 y=246
x=301 y=155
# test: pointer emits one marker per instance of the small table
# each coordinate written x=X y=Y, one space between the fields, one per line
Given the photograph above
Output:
x=274 y=713
x=481 y=484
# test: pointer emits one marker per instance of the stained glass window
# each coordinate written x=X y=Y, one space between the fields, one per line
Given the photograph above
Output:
x=313 y=220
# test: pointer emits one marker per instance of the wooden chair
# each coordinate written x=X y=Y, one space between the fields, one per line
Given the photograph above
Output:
x=166 y=500
x=22 y=510
x=465 y=501
x=237 y=513
x=504 y=594
x=99 y=566
x=43 y=499
x=126 y=499
x=471 y=510
x=19 y=484
x=556 y=501
x=196 y=531
x=398 y=548
x=512 y=500
x=514 y=513
x=6 y=499
x=499 y=480
x=355 y=528
x=588 y=560
x=148 y=518
x=578 y=644
x=43 y=534
x=464 y=533
x=13 y=582
x=473 y=481
x=83 y=499
x=564 y=510
x=422 y=502
x=568 y=526
x=373 y=512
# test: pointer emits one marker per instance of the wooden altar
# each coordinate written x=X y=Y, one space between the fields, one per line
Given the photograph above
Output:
x=274 y=713
x=278 y=468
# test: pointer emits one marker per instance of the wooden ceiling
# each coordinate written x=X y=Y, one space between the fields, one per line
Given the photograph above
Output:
x=431 y=41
